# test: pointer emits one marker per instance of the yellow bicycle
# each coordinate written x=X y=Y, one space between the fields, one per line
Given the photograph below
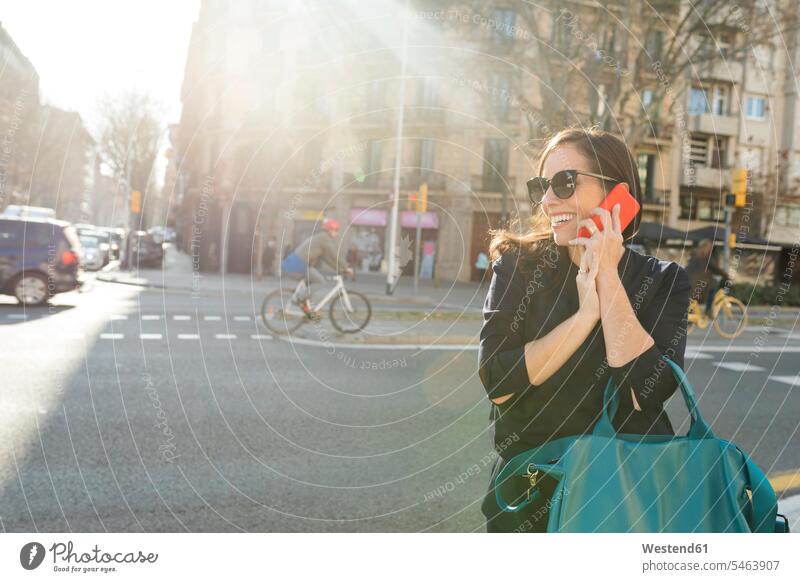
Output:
x=728 y=314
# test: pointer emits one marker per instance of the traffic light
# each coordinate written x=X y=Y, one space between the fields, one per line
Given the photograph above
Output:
x=732 y=240
x=422 y=203
x=739 y=187
x=411 y=203
x=136 y=202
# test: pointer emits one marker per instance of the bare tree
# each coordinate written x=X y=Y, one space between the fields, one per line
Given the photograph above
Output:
x=130 y=134
x=592 y=62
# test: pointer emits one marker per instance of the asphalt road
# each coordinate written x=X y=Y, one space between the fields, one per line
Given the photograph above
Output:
x=130 y=410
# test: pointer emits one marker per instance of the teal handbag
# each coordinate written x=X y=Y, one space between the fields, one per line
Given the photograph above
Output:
x=610 y=482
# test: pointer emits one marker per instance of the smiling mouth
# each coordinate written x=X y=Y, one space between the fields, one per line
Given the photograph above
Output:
x=560 y=220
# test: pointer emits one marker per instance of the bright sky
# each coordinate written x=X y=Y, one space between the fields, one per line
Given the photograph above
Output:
x=83 y=49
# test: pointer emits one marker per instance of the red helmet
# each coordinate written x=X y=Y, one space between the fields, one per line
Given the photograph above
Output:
x=330 y=224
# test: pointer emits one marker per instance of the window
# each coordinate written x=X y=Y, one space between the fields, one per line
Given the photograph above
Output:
x=720 y=104
x=425 y=158
x=503 y=25
x=698 y=150
x=719 y=152
x=698 y=103
x=501 y=95
x=647 y=166
x=688 y=206
x=495 y=165
x=373 y=162
x=426 y=92
x=654 y=44
x=787 y=215
x=756 y=108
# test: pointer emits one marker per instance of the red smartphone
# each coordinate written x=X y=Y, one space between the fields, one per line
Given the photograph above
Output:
x=628 y=207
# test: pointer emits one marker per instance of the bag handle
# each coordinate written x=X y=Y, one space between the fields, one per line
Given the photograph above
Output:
x=765 y=502
x=699 y=428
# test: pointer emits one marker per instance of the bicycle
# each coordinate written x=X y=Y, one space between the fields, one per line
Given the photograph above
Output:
x=282 y=310
x=728 y=313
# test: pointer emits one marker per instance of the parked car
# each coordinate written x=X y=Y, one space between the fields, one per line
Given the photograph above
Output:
x=93 y=257
x=22 y=211
x=39 y=257
x=145 y=250
x=103 y=240
x=116 y=237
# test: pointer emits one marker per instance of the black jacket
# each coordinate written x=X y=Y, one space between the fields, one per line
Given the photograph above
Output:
x=523 y=306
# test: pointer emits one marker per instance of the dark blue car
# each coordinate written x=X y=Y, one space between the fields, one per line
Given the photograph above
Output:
x=38 y=258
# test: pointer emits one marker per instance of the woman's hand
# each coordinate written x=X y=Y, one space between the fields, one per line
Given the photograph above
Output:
x=605 y=244
x=588 y=299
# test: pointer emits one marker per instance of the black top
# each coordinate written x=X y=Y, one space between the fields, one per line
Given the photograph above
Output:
x=527 y=301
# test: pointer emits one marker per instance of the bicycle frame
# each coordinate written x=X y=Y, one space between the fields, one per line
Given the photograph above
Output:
x=338 y=289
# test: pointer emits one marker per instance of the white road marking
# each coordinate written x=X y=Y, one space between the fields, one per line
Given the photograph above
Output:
x=241 y=318
x=112 y=336
x=118 y=316
x=151 y=317
x=211 y=317
x=790 y=380
x=181 y=317
x=226 y=336
x=739 y=366
x=188 y=336
x=150 y=336
x=697 y=355
x=260 y=336
x=17 y=316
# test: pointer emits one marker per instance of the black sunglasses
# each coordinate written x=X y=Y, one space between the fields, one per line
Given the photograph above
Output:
x=563 y=184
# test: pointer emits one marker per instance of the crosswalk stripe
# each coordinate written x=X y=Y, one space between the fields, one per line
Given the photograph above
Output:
x=112 y=336
x=150 y=336
x=188 y=336
x=739 y=366
x=226 y=336
x=151 y=317
x=211 y=317
x=241 y=318
x=790 y=380
x=181 y=317
x=260 y=336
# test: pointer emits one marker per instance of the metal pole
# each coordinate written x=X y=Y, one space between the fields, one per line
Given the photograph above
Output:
x=390 y=276
x=726 y=253
x=416 y=255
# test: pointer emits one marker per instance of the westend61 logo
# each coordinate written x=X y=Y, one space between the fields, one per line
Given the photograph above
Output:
x=66 y=560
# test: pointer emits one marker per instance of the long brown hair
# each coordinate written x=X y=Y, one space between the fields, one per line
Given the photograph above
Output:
x=606 y=154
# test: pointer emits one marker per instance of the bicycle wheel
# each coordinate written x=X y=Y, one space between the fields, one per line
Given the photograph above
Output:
x=350 y=320
x=279 y=314
x=730 y=317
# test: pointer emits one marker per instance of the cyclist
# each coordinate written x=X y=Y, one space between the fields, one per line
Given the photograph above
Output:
x=303 y=261
x=699 y=268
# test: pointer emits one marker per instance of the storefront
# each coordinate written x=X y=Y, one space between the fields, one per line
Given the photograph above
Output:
x=369 y=227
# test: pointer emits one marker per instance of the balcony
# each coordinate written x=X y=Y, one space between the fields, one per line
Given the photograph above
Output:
x=656 y=198
x=481 y=183
x=724 y=125
x=705 y=177
x=720 y=70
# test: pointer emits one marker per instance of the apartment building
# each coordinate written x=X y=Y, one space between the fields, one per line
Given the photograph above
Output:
x=290 y=114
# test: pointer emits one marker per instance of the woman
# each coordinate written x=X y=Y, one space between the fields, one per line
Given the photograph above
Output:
x=564 y=314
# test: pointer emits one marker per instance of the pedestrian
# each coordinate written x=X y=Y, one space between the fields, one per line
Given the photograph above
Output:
x=482 y=264
x=270 y=252
x=564 y=314
x=353 y=258
x=701 y=267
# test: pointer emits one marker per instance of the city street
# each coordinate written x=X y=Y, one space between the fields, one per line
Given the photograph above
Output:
x=133 y=409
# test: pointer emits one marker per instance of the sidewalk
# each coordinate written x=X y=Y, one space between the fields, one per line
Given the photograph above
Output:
x=178 y=275
x=450 y=296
